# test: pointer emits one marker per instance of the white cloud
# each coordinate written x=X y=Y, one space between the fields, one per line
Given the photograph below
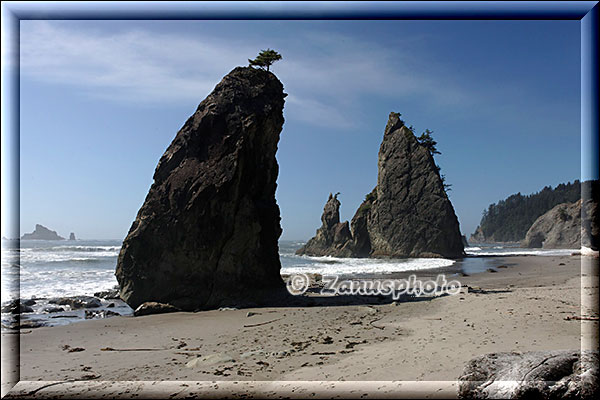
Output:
x=327 y=76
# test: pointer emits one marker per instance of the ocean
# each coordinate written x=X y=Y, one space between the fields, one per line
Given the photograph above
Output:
x=50 y=269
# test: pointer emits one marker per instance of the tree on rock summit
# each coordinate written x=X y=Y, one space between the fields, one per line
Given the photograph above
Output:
x=265 y=59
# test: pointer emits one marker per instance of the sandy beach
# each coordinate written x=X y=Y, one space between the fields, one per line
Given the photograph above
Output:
x=526 y=305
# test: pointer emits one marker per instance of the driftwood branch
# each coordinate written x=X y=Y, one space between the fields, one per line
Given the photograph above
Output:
x=262 y=323
x=576 y=318
x=89 y=378
x=111 y=349
x=375 y=326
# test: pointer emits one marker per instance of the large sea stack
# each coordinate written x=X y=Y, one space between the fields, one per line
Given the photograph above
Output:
x=408 y=214
x=206 y=235
x=42 y=233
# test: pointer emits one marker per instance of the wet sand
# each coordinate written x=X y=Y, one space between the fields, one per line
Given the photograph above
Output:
x=527 y=304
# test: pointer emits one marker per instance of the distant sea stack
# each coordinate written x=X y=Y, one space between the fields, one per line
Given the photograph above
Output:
x=42 y=233
x=207 y=233
x=408 y=213
x=333 y=238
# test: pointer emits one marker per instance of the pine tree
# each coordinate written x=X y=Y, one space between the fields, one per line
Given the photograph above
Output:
x=427 y=140
x=265 y=59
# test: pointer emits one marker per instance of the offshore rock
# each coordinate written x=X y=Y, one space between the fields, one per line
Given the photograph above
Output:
x=477 y=236
x=408 y=214
x=333 y=237
x=42 y=233
x=411 y=215
x=207 y=233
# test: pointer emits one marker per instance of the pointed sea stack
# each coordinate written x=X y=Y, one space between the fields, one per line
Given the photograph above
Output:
x=407 y=214
x=206 y=235
x=333 y=238
x=411 y=215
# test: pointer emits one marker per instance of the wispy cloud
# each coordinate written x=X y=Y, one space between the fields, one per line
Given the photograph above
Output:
x=326 y=75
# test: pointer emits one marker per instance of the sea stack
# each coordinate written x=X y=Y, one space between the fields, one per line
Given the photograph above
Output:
x=408 y=214
x=207 y=233
x=333 y=238
x=42 y=233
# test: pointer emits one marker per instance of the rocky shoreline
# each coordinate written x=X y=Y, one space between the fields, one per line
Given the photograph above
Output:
x=529 y=304
x=40 y=312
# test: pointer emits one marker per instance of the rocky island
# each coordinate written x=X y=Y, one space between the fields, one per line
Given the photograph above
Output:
x=42 y=233
x=207 y=233
x=408 y=213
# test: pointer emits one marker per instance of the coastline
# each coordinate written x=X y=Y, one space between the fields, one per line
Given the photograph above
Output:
x=523 y=306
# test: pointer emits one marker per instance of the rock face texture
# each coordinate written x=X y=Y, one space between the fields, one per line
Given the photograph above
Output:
x=42 y=233
x=559 y=228
x=206 y=235
x=408 y=214
x=558 y=374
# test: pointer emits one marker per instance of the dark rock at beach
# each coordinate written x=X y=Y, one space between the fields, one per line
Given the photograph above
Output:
x=559 y=228
x=408 y=214
x=42 y=233
x=93 y=314
x=558 y=374
x=53 y=309
x=31 y=324
x=108 y=294
x=72 y=236
x=77 y=302
x=16 y=307
x=207 y=233
x=152 y=307
x=333 y=237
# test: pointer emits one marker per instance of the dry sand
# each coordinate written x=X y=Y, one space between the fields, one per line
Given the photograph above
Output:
x=524 y=306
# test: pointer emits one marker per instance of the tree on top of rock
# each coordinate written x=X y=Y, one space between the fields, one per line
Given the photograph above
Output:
x=427 y=140
x=265 y=59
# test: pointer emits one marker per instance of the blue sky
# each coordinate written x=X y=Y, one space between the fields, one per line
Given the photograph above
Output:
x=102 y=100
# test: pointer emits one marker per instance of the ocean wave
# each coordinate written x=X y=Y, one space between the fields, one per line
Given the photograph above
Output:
x=28 y=256
x=350 y=266
x=523 y=252
x=75 y=249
